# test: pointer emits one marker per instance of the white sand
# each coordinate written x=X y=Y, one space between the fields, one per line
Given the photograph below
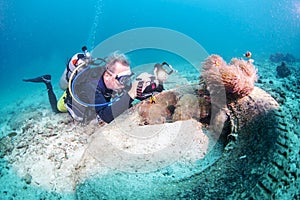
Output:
x=51 y=149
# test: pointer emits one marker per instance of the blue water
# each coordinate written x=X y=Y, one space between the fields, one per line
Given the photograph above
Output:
x=38 y=36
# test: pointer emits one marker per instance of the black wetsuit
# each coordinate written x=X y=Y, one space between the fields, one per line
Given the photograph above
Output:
x=92 y=90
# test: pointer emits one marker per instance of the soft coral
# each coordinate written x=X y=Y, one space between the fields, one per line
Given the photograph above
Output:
x=237 y=77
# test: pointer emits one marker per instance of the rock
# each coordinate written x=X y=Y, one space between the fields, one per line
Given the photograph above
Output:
x=6 y=146
x=283 y=70
x=27 y=178
x=12 y=134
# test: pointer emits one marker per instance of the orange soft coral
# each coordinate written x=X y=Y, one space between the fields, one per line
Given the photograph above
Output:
x=237 y=77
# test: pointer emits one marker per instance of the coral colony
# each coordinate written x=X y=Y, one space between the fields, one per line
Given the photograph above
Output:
x=238 y=77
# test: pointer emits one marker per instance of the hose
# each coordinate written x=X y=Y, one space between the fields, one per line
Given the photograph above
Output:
x=73 y=79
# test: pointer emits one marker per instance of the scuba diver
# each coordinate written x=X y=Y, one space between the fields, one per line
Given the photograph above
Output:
x=98 y=88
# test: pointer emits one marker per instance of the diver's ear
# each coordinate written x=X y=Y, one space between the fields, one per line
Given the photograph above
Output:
x=106 y=75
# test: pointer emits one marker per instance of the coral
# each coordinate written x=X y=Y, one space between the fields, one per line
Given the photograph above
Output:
x=6 y=146
x=187 y=108
x=159 y=112
x=205 y=108
x=204 y=103
x=178 y=105
x=283 y=70
x=237 y=77
x=152 y=113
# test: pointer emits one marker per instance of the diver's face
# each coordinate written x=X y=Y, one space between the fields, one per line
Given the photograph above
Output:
x=111 y=82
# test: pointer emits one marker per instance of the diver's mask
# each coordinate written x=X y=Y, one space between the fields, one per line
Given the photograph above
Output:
x=124 y=78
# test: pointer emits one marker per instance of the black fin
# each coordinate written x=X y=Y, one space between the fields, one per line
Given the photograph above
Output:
x=41 y=79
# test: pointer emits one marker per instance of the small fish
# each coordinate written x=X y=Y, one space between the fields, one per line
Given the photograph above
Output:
x=248 y=54
x=216 y=63
x=152 y=99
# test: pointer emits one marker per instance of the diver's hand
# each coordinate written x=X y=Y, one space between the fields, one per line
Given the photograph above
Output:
x=133 y=90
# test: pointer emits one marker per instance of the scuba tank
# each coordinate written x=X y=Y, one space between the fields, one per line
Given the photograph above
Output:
x=76 y=60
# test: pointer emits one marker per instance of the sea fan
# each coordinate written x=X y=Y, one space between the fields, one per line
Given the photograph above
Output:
x=237 y=77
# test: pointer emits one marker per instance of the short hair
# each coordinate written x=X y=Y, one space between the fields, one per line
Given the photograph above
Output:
x=114 y=58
